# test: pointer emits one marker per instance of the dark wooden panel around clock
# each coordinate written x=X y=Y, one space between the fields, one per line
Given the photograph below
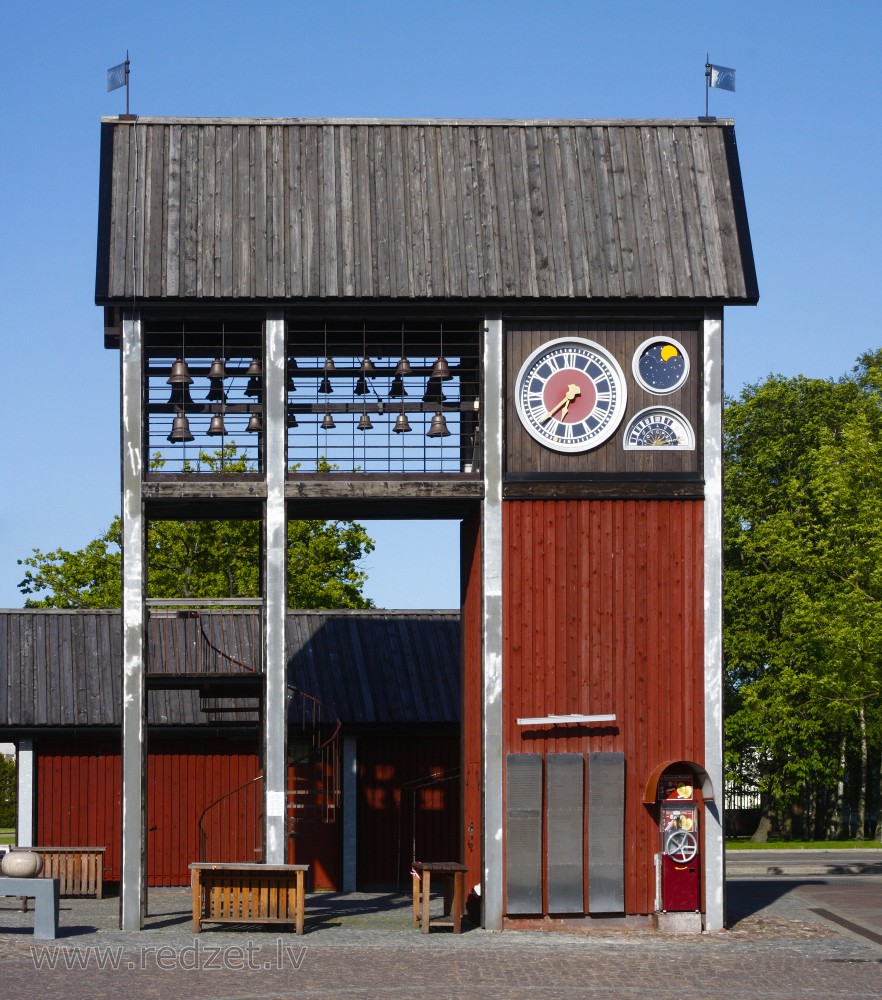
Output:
x=527 y=460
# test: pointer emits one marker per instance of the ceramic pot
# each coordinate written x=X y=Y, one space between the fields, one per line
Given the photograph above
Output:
x=21 y=863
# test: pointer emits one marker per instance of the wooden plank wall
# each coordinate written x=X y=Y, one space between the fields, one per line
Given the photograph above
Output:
x=386 y=833
x=251 y=209
x=604 y=611
x=78 y=798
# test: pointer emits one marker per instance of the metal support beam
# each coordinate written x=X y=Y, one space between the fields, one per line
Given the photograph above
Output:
x=24 y=776
x=491 y=570
x=132 y=893
x=350 y=813
x=275 y=591
x=714 y=870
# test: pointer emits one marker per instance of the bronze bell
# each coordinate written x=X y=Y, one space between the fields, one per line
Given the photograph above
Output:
x=433 y=392
x=292 y=419
x=441 y=370
x=255 y=369
x=438 y=427
x=292 y=368
x=367 y=366
x=180 y=397
x=255 y=423
x=328 y=421
x=217 y=369
x=397 y=389
x=180 y=373
x=253 y=387
x=364 y=423
x=180 y=431
x=403 y=368
x=329 y=364
x=216 y=392
x=361 y=387
x=325 y=386
x=216 y=427
x=402 y=424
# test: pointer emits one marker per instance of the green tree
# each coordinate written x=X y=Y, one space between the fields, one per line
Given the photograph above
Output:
x=803 y=594
x=206 y=559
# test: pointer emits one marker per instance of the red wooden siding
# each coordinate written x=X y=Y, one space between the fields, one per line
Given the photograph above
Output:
x=604 y=610
x=388 y=803
x=472 y=698
x=78 y=799
x=78 y=796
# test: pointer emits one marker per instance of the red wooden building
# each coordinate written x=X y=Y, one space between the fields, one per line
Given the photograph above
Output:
x=514 y=324
x=60 y=702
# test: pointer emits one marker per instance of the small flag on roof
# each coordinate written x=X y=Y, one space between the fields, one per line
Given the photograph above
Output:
x=117 y=76
x=721 y=77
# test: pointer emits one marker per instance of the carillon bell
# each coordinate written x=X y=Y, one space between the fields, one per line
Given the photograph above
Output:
x=325 y=386
x=255 y=369
x=361 y=387
x=180 y=373
x=180 y=432
x=328 y=421
x=438 y=427
x=402 y=424
x=433 y=392
x=216 y=392
x=403 y=368
x=364 y=423
x=367 y=366
x=216 y=427
x=253 y=387
x=218 y=369
x=292 y=419
x=396 y=389
x=255 y=423
x=441 y=370
x=292 y=368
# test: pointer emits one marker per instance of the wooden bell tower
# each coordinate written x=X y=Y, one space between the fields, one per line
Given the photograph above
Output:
x=571 y=276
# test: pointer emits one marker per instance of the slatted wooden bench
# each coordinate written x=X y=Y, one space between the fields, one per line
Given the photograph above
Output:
x=79 y=870
x=243 y=893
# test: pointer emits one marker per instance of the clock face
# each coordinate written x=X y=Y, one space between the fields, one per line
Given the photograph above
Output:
x=659 y=427
x=570 y=394
x=660 y=365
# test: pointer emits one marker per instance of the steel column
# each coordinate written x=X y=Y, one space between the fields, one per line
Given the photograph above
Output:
x=714 y=869
x=350 y=813
x=24 y=777
x=274 y=584
x=133 y=899
x=491 y=571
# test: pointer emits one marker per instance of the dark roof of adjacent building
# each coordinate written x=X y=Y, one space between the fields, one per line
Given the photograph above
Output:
x=274 y=210
x=64 y=668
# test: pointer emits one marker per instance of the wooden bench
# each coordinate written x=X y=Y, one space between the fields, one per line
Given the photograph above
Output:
x=453 y=874
x=79 y=870
x=243 y=893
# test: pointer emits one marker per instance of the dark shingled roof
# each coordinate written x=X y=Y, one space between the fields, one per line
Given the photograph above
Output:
x=274 y=210
x=63 y=668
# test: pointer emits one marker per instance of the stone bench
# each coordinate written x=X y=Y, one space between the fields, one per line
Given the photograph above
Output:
x=44 y=892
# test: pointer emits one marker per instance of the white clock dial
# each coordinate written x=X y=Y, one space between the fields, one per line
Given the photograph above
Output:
x=570 y=394
x=659 y=427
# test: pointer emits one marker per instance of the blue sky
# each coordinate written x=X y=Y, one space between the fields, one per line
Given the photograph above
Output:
x=805 y=113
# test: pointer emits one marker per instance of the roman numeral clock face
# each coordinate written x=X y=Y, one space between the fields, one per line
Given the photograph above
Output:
x=570 y=395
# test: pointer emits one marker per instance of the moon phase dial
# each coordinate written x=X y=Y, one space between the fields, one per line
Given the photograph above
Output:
x=659 y=427
x=570 y=394
x=660 y=365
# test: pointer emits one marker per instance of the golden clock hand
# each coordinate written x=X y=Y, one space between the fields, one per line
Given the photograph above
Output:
x=569 y=396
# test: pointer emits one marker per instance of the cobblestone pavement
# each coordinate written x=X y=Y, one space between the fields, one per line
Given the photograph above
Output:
x=363 y=946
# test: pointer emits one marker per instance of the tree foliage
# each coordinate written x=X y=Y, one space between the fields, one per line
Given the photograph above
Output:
x=7 y=791
x=206 y=559
x=803 y=576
